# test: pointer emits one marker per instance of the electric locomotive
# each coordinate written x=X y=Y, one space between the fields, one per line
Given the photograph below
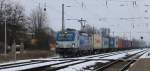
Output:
x=72 y=43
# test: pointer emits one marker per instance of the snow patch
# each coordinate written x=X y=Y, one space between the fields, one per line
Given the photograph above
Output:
x=116 y=56
x=67 y=63
x=81 y=66
x=146 y=55
x=31 y=66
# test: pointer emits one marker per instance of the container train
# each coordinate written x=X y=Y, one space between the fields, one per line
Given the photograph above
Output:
x=78 y=43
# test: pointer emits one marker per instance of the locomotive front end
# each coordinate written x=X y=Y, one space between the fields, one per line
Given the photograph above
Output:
x=66 y=42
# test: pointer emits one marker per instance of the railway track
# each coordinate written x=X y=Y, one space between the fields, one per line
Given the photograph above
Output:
x=78 y=61
x=54 y=64
x=59 y=67
x=74 y=61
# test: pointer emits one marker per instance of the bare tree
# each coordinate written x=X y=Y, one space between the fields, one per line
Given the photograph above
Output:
x=37 y=20
x=37 y=24
x=15 y=21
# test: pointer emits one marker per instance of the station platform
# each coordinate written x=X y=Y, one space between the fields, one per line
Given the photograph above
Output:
x=142 y=64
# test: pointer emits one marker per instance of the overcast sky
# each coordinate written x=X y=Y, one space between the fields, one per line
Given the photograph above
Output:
x=121 y=16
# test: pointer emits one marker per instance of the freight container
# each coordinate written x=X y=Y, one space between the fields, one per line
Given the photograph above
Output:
x=84 y=41
x=97 y=42
x=130 y=44
x=113 y=42
x=120 y=43
x=126 y=43
x=105 y=43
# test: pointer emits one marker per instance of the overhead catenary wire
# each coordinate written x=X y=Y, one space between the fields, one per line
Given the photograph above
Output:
x=94 y=14
x=85 y=8
x=59 y=11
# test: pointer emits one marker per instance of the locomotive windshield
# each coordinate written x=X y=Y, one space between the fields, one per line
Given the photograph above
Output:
x=67 y=36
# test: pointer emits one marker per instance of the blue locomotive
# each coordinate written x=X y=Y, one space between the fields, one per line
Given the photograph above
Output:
x=72 y=43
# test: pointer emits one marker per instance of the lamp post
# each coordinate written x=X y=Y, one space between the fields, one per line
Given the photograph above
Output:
x=5 y=38
x=45 y=6
x=5 y=50
x=63 y=16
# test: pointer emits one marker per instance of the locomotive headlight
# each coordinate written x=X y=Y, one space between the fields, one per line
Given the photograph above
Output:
x=73 y=45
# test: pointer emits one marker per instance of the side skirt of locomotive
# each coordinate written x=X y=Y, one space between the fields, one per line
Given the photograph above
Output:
x=73 y=52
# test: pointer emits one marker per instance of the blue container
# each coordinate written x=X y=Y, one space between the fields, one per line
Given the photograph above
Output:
x=84 y=41
x=112 y=42
x=105 y=42
x=126 y=43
